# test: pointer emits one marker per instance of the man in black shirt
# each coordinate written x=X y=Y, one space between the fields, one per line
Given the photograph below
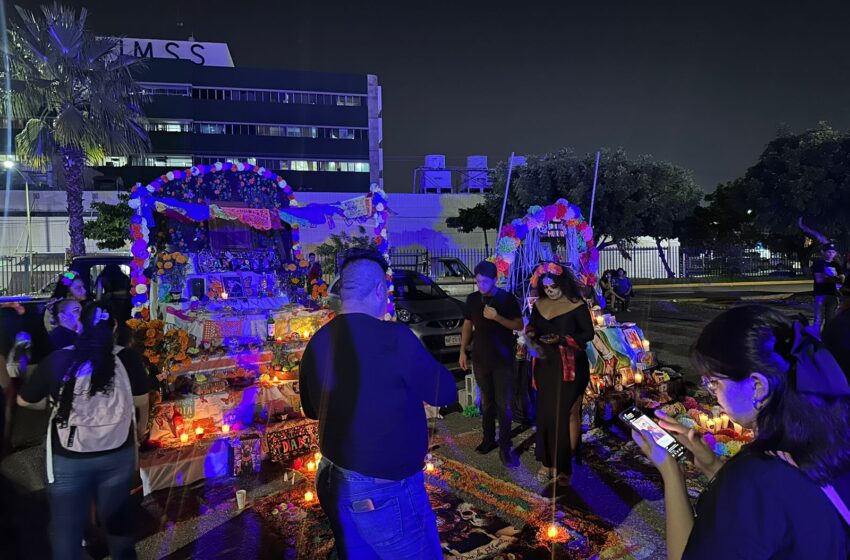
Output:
x=828 y=276
x=365 y=380
x=491 y=316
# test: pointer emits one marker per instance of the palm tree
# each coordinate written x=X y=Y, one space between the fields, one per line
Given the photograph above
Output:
x=77 y=96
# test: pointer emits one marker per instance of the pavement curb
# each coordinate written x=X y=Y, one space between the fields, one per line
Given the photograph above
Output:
x=722 y=284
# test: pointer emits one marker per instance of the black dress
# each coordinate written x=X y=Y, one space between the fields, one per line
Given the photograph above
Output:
x=759 y=507
x=555 y=397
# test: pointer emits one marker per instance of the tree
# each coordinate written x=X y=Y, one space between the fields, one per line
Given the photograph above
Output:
x=671 y=199
x=633 y=197
x=111 y=228
x=470 y=219
x=78 y=98
x=337 y=243
x=806 y=176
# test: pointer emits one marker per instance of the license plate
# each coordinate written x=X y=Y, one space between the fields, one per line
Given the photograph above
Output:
x=453 y=340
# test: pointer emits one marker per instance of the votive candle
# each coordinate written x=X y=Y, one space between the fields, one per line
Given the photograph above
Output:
x=225 y=428
x=311 y=466
x=552 y=532
x=308 y=496
x=199 y=431
x=318 y=456
x=724 y=421
x=645 y=345
x=429 y=467
x=638 y=378
x=184 y=438
x=703 y=420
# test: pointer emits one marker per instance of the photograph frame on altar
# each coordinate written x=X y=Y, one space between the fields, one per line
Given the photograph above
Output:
x=249 y=286
x=199 y=280
x=232 y=284
x=633 y=338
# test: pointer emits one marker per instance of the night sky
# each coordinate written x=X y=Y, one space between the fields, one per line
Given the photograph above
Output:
x=704 y=85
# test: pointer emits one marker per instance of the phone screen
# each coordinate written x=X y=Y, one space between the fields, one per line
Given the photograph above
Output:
x=640 y=421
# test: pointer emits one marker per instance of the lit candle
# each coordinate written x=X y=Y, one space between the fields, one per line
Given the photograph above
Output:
x=225 y=428
x=184 y=438
x=710 y=425
x=724 y=421
x=645 y=345
x=703 y=420
x=311 y=466
x=737 y=427
x=600 y=320
x=429 y=467
x=223 y=295
x=638 y=378
x=199 y=431
x=318 y=456
x=552 y=532
x=280 y=339
x=305 y=334
x=308 y=496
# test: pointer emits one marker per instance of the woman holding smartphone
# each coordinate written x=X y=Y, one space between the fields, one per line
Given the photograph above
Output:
x=785 y=495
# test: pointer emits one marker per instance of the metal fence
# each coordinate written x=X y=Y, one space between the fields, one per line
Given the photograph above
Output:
x=16 y=276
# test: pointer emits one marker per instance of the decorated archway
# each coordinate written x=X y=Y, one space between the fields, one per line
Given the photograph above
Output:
x=519 y=248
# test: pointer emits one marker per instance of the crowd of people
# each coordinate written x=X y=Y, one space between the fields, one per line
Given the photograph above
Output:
x=784 y=496
x=365 y=380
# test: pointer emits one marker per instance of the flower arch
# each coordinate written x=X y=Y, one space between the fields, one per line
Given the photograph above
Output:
x=187 y=193
x=583 y=256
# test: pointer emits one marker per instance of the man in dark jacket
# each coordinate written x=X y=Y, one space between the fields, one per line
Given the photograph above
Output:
x=365 y=380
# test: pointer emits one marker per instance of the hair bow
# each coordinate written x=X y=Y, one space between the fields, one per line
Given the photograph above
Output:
x=817 y=371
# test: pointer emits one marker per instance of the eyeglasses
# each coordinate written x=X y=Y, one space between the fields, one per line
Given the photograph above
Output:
x=710 y=384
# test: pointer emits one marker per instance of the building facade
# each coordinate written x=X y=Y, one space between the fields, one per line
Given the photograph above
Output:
x=320 y=131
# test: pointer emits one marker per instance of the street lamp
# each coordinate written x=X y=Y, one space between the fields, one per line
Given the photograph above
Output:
x=12 y=166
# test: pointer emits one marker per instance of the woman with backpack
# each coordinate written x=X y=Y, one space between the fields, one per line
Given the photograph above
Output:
x=98 y=394
x=785 y=495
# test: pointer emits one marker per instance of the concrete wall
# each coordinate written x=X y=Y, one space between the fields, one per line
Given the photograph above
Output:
x=416 y=221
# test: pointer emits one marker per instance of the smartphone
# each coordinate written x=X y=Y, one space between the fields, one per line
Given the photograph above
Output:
x=635 y=418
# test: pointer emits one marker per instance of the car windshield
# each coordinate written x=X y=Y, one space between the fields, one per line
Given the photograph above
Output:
x=452 y=269
x=416 y=287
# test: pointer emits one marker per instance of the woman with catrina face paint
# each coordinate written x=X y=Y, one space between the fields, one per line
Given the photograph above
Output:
x=557 y=333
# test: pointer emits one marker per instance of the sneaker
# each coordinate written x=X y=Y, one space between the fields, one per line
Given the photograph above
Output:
x=486 y=447
x=509 y=458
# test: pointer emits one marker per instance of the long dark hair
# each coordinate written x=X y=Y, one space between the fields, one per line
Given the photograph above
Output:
x=95 y=346
x=812 y=428
x=568 y=284
x=62 y=289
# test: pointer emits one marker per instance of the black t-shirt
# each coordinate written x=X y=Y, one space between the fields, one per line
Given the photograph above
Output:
x=365 y=380
x=831 y=270
x=46 y=381
x=761 y=507
x=62 y=337
x=492 y=343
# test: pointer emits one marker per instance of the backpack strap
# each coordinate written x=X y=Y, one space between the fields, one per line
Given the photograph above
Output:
x=828 y=490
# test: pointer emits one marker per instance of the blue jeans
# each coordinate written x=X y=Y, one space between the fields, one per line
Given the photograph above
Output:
x=401 y=526
x=106 y=480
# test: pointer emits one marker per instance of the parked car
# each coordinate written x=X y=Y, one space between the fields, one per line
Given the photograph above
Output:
x=90 y=266
x=434 y=317
x=453 y=276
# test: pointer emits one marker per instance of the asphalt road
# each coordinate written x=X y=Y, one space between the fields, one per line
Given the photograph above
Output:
x=723 y=291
